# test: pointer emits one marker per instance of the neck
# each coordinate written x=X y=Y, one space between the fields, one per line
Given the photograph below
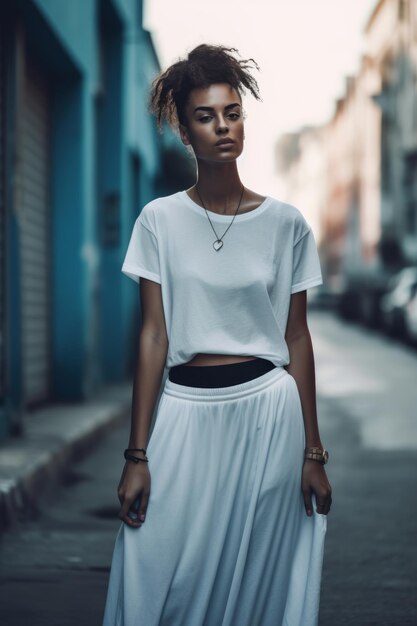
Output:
x=219 y=185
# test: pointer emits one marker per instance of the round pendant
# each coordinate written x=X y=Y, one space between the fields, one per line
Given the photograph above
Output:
x=217 y=244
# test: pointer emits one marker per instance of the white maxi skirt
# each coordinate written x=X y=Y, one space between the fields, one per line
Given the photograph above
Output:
x=226 y=540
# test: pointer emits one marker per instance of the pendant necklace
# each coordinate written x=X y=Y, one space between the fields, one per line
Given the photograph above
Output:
x=218 y=243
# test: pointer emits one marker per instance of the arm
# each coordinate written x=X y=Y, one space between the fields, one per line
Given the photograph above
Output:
x=152 y=350
x=301 y=368
x=151 y=357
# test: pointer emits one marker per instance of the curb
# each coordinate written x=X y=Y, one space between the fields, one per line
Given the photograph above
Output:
x=53 y=438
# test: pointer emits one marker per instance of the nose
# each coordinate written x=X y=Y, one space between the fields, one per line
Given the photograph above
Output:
x=222 y=126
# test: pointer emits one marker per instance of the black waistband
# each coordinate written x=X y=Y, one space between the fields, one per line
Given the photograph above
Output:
x=219 y=375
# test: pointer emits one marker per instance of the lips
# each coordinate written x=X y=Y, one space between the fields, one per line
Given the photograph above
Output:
x=222 y=142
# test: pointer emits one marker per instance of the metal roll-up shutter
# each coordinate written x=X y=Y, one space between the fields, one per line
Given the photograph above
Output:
x=2 y=210
x=35 y=236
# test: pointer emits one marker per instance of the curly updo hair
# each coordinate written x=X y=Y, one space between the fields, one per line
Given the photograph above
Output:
x=204 y=66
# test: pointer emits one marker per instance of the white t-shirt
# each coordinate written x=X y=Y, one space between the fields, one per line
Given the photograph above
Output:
x=231 y=301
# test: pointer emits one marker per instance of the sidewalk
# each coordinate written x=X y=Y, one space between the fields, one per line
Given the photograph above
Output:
x=53 y=438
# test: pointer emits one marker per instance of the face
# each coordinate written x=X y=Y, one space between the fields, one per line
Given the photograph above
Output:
x=214 y=114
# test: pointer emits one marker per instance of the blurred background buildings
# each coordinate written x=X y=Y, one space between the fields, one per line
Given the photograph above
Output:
x=79 y=156
x=359 y=170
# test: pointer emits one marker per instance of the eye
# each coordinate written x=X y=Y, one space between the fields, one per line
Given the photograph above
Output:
x=205 y=118
x=234 y=116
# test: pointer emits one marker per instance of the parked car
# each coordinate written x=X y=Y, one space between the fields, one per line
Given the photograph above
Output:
x=360 y=298
x=410 y=319
x=401 y=289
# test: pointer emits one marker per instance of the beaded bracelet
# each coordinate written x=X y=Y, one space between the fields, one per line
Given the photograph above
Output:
x=135 y=459
x=136 y=450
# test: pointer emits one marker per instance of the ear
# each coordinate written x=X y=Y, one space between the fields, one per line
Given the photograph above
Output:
x=184 y=135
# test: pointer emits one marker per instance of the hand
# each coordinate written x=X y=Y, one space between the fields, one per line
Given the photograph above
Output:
x=135 y=484
x=314 y=479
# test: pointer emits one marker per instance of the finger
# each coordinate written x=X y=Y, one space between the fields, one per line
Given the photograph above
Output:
x=134 y=523
x=125 y=514
x=323 y=505
x=329 y=505
x=126 y=517
x=307 y=502
x=143 y=506
x=324 y=511
x=134 y=507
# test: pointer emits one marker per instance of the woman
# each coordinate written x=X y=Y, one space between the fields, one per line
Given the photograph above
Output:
x=236 y=515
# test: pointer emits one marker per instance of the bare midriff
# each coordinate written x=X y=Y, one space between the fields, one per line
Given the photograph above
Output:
x=218 y=359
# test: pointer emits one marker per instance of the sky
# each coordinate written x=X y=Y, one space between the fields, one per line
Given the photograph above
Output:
x=304 y=48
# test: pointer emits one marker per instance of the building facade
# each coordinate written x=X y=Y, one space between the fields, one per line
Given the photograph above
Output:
x=367 y=199
x=391 y=36
x=79 y=156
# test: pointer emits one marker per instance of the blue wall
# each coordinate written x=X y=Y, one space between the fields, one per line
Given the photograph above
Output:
x=105 y=160
x=106 y=109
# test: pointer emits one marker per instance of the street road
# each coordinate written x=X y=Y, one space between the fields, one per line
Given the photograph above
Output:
x=367 y=397
x=54 y=570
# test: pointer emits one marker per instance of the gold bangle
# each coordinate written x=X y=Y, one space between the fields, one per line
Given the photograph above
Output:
x=316 y=454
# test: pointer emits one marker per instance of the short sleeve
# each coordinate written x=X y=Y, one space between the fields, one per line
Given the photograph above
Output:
x=306 y=263
x=142 y=258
